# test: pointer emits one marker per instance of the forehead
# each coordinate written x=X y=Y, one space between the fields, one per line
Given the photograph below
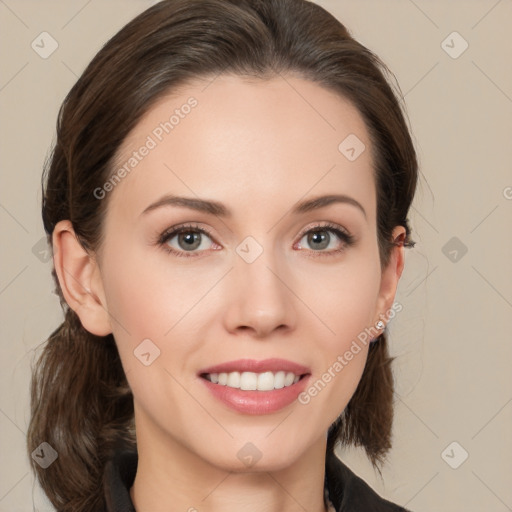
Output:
x=246 y=142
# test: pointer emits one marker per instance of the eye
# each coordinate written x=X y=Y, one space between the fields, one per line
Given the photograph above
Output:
x=326 y=239
x=192 y=240
x=189 y=239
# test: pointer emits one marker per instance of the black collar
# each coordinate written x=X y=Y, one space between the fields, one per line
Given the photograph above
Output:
x=348 y=492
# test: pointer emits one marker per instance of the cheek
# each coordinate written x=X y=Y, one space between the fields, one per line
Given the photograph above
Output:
x=344 y=301
x=343 y=297
x=153 y=298
x=147 y=299
x=149 y=307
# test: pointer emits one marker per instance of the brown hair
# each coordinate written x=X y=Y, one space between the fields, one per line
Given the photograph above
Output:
x=81 y=403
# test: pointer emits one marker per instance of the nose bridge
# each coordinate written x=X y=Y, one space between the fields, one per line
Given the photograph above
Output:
x=258 y=298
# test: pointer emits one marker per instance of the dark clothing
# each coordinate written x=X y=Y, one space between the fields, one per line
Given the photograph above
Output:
x=347 y=492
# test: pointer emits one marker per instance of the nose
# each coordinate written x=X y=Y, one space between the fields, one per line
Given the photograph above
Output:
x=259 y=298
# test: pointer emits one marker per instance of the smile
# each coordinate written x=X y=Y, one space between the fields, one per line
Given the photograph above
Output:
x=249 y=386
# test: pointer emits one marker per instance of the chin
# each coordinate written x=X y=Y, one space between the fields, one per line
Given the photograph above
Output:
x=258 y=456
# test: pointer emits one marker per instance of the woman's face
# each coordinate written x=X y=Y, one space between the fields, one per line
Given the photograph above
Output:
x=254 y=276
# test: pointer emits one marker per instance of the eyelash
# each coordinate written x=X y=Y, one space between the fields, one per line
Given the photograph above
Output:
x=346 y=238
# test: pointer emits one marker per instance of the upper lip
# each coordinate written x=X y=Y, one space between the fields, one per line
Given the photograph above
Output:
x=252 y=365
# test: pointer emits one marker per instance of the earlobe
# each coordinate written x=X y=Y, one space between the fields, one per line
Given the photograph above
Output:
x=80 y=280
x=391 y=273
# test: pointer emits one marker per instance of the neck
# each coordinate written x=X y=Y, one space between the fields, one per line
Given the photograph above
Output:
x=172 y=477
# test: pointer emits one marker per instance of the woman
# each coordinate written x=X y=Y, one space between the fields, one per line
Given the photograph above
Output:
x=227 y=205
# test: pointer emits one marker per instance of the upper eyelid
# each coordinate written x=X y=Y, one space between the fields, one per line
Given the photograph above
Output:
x=328 y=226
x=166 y=234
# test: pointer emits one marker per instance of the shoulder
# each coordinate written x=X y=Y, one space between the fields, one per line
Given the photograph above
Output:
x=118 y=477
x=349 y=493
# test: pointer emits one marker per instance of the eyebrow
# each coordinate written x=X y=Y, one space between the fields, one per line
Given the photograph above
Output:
x=219 y=209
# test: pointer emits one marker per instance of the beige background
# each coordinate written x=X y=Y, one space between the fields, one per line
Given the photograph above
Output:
x=452 y=340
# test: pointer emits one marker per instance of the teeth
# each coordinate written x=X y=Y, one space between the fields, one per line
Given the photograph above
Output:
x=248 y=381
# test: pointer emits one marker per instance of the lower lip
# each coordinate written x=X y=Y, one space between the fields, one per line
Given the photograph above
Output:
x=257 y=402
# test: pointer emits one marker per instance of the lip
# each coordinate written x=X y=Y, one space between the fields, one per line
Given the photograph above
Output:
x=257 y=402
x=252 y=365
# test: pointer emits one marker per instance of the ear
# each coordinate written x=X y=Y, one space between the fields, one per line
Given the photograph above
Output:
x=391 y=274
x=80 y=280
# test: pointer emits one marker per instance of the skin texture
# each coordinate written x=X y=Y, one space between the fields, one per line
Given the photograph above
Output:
x=258 y=147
